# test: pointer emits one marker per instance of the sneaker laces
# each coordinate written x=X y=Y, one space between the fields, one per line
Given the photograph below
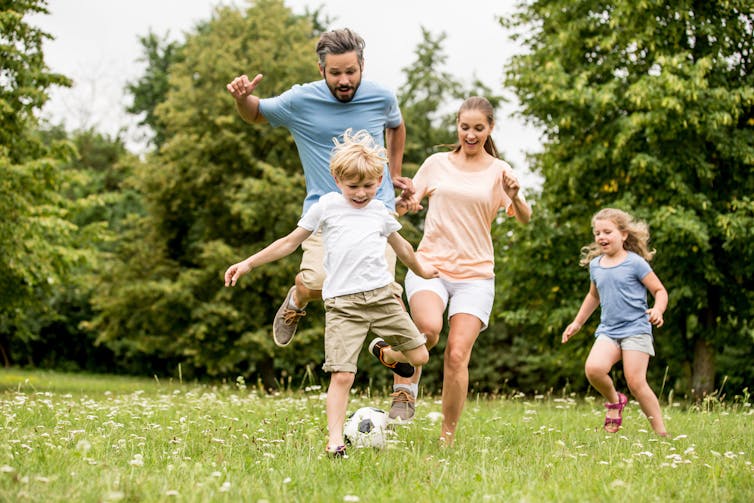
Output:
x=291 y=316
x=402 y=396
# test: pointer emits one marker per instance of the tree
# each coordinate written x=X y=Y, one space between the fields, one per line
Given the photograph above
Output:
x=649 y=107
x=214 y=191
x=151 y=88
x=38 y=242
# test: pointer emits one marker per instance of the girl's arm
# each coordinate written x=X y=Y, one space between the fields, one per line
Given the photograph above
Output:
x=591 y=301
x=655 y=287
x=274 y=251
x=405 y=252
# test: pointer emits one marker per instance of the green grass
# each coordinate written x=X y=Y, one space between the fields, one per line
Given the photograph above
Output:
x=100 y=438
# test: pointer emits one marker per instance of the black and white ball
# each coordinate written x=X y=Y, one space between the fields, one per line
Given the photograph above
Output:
x=367 y=427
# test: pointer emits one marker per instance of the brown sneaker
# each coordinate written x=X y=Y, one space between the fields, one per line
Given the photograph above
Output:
x=286 y=321
x=403 y=406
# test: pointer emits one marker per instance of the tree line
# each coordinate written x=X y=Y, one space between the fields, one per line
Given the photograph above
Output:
x=113 y=263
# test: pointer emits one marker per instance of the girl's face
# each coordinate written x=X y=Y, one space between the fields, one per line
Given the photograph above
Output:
x=357 y=192
x=473 y=130
x=607 y=235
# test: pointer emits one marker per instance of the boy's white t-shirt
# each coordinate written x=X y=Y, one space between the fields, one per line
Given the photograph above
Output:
x=354 y=240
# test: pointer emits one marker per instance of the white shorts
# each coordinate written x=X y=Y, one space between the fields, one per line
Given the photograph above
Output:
x=474 y=297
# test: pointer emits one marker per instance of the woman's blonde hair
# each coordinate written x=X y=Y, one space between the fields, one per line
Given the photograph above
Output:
x=357 y=157
x=636 y=241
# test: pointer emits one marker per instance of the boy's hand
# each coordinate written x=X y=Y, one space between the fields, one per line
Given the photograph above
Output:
x=236 y=271
x=429 y=272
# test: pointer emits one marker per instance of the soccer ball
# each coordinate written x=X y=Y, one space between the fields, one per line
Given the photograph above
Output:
x=367 y=427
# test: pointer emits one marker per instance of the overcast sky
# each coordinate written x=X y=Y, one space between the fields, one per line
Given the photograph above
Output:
x=96 y=43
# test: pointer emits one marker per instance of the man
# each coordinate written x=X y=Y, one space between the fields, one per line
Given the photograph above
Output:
x=315 y=113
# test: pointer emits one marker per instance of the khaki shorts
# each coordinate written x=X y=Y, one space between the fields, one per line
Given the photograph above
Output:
x=642 y=342
x=349 y=318
x=312 y=269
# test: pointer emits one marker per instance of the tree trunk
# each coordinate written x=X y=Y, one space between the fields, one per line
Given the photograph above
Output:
x=703 y=370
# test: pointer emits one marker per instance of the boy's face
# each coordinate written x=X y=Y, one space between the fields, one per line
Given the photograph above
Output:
x=357 y=192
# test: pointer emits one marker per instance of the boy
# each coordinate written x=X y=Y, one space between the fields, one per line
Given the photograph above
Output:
x=357 y=288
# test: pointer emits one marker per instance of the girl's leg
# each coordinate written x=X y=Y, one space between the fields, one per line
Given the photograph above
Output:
x=464 y=330
x=635 y=365
x=602 y=357
x=337 y=405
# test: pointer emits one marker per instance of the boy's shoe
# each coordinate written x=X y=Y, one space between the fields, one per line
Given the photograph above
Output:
x=286 y=321
x=403 y=406
x=400 y=368
x=336 y=452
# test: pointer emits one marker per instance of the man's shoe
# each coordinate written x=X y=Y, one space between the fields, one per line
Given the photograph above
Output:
x=286 y=321
x=400 y=368
x=403 y=406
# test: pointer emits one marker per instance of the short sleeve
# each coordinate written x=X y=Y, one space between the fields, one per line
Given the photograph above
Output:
x=312 y=218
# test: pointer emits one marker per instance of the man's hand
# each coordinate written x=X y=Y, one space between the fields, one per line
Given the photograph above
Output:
x=404 y=184
x=241 y=87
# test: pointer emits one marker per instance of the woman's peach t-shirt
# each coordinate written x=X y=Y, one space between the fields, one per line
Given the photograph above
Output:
x=461 y=209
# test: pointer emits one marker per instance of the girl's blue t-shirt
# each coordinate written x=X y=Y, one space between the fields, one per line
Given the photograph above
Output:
x=314 y=117
x=623 y=297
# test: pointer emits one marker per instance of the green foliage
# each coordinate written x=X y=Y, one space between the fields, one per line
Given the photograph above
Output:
x=215 y=191
x=151 y=89
x=24 y=78
x=648 y=107
x=40 y=243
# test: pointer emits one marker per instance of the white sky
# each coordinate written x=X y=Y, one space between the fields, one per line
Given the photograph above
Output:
x=96 y=43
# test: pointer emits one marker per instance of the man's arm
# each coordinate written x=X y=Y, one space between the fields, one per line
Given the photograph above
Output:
x=241 y=88
x=396 y=143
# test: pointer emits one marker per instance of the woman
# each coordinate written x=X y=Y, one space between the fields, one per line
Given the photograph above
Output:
x=466 y=188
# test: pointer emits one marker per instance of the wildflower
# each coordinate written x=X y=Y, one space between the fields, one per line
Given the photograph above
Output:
x=83 y=446
x=225 y=487
x=138 y=460
x=351 y=497
x=172 y=492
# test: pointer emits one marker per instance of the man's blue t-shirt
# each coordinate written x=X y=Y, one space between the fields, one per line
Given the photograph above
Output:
x=314 y=117
x=623 y=297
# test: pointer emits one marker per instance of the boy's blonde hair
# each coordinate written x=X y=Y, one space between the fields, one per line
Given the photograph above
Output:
x=636 y=241
x=357 y=157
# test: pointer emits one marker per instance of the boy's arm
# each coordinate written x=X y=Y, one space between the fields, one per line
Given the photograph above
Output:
x=590 y=303
x=405 y=253
x=274 y=251
x=656 y=288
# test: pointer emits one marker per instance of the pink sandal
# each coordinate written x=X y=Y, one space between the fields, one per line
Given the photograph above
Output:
x=615 y=421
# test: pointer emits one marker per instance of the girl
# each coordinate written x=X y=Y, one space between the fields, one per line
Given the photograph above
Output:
x=620 y=278
x=466 y=188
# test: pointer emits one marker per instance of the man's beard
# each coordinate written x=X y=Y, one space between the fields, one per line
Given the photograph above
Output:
x=352 y=89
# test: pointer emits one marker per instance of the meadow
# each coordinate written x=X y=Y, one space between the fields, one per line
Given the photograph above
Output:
x=67 y=437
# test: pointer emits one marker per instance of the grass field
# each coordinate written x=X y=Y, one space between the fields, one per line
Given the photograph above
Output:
x=81 y=438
